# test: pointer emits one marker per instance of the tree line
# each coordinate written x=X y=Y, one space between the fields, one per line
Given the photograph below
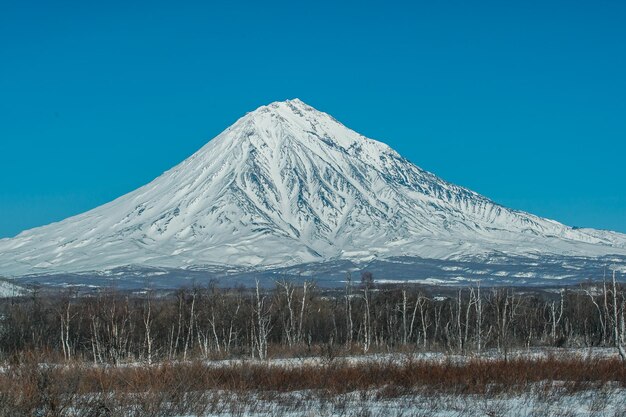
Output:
x=113 y=327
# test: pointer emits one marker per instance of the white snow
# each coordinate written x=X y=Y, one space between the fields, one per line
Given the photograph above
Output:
x=608 y=401
x=8 y=289
x=284 y=185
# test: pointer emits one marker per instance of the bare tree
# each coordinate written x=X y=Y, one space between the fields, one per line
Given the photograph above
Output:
x=617 y=326
x=601 y=316
x=189 y=338
x=405 y=333
x=366 y=279
x=306 y=285
x=66 y=318
x=263 y=322
x=147 y=322
x=289 y=326
x=349 y=321
x=479 y=318
x=421 y=303
x=556 y=314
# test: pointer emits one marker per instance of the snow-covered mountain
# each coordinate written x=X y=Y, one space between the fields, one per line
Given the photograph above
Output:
x=286 y=185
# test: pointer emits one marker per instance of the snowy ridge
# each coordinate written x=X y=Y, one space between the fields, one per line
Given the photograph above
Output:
x=285 y=185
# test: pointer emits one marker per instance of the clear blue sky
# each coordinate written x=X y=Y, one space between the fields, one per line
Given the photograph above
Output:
x=524 y=102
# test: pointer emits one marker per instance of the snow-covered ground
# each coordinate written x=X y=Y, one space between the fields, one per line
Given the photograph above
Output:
x=606 y=402
x=9 y=289
x=439 y=357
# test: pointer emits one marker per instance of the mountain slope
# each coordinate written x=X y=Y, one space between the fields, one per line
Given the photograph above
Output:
x=284 y=185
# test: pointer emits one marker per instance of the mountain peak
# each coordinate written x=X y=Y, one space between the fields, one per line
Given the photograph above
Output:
x=282 y=122
x=294 y=120
x=294 y=102
x=293 y=108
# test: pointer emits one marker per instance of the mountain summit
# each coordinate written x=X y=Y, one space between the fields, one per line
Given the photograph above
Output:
x=286 y=185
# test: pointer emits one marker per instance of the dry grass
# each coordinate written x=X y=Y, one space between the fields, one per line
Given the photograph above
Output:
x=31 y=388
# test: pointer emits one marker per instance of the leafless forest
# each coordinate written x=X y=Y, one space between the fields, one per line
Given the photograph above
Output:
x=114 y=327
x=208 y=350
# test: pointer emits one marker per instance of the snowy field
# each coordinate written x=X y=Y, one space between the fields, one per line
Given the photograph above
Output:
x=602 y=403
x=434 y=357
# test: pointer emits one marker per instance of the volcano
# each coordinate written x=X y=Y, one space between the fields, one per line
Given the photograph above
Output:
x=288 y=185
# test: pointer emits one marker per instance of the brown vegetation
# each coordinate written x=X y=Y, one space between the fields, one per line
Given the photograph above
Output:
x=32 y=388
